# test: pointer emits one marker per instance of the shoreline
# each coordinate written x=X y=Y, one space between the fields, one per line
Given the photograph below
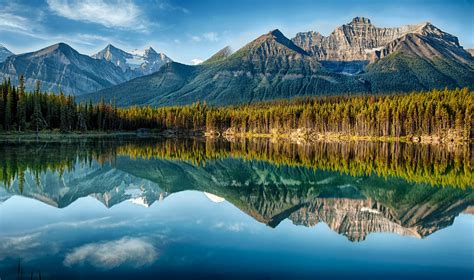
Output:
x=308 y=136
x=296 y=136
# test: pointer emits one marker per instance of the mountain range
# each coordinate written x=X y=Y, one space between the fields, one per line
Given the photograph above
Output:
x=61 y=68
x=357 y=57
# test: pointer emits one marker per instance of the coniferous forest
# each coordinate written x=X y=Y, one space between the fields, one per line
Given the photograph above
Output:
x=436 y=112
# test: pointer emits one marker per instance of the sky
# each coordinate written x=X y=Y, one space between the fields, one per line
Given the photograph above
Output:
x=191 y=31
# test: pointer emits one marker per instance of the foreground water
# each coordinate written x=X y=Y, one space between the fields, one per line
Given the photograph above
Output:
x=197 y=209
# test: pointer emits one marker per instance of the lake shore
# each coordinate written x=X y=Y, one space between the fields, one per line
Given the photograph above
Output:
x=302 y=135
x=296 y=136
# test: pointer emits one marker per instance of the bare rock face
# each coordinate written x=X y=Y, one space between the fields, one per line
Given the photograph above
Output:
x=361 y=40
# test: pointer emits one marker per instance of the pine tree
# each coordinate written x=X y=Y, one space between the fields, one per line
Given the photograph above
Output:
x=21 y=107
x=9 y=109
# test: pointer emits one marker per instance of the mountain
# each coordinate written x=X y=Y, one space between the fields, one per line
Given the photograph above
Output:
x=356 y=58
x=4 y=53
x=220 y=55
x=471 y=51
x=361 y=40
x=136 y=63
x=116 y=56
x=269 y=67
x=60 y=67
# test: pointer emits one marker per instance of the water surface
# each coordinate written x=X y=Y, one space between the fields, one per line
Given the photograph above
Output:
x=206 y=209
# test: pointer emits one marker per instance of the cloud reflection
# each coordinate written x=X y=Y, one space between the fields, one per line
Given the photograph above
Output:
x=133 y=252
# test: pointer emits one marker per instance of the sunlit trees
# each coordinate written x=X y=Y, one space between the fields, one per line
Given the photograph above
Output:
x=437 y=112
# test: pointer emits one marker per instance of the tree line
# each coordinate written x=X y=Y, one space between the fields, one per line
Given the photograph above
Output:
x=436 y=112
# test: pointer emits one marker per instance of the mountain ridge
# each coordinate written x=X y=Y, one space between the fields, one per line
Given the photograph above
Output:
x=408 y=58
x=357 y=57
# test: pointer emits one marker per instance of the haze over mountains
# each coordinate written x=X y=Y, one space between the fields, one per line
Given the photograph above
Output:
x=357 y=57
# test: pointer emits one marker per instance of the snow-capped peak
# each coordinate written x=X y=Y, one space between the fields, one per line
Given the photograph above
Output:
x=138 y=61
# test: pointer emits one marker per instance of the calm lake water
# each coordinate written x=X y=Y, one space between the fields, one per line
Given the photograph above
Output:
x=118 y=208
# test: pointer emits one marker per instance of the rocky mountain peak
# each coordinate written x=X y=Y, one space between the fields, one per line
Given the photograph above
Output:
x=360 y=20
x=271 y=44
x=361 y=41
x=59 y=48
x=135 y=63
x=276 y=33
x=150 y=51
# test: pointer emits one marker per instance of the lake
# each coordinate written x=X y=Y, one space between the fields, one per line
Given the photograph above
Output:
x=157 y=208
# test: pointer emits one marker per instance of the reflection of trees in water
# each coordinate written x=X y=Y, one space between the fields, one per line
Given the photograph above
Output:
x=432 y=164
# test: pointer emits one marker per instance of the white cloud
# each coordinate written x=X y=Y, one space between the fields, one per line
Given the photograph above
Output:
x=196 y=39
x=169 y=7
x=211 y=36
x=134 y=252
x=119 y=13
x=10 y=21
x=18 y=245
x=234 y=227
x=196 y=61
x=208 y=36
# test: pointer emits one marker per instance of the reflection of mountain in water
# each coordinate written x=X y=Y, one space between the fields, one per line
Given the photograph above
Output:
x=102 y=181
x=351 y=205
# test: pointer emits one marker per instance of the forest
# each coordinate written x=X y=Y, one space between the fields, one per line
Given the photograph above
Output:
x=435 y=112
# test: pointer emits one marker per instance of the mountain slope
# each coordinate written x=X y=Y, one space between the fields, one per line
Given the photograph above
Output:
x=4 y=53
x=356 y=58
x=60 y=67
x=416 y=62
x=220 y=55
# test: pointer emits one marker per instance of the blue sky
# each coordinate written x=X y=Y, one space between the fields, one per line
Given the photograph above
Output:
x=188 y=30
